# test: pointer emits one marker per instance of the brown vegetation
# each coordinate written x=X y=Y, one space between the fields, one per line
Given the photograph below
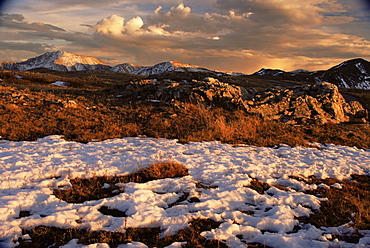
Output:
x=55 y=237
x=351 y=203
x=93 y=188
x=32 y=108
x=28 y=115
x=90 y=110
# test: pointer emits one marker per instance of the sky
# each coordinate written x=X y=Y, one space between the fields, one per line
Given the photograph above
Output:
x=227 y=35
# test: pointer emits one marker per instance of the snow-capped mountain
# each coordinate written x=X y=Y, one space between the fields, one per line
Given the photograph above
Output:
x=269 y=72
x=6 y=65
x=66 y=61
x=126 y=68
x=298 y=71
x=169 y=67
x=353 y=74
x=59 y=61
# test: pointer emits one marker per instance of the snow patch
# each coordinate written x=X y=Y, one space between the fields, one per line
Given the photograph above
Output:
x=60 y=84
x=29 y=171
x=361 y=68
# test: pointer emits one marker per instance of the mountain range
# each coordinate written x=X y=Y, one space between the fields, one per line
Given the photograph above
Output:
x=66 y=61
x=58 y=61
x=353 y=73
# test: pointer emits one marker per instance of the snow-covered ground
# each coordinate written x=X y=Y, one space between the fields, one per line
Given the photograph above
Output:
x=60 y=84
x=29 y=171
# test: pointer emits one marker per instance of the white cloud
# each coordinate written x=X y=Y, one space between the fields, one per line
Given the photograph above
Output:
x=134 y=25
x=113 y=25
x=179 y=12
x=287 y=34
x=224 y=35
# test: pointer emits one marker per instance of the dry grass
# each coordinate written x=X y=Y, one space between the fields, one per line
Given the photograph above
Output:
x=93 y=189
x=86 y=80
x=259 y=186
x=89 y=121
x=55 y=237
x=351 y=203
x=32 y=111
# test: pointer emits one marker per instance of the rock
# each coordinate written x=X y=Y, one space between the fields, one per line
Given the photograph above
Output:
x=210 y=80
x=210 y=92
x=306 y=104
x=363 y=113
x=70 y=104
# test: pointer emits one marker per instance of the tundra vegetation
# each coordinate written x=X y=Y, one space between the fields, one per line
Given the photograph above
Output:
x=93 y=107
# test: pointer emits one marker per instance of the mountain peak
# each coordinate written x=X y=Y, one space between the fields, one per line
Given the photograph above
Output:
x=269 y=72
x=126 y=68
x=60 y=61
x=177 y=64
x=169 y=66
x=353 y=73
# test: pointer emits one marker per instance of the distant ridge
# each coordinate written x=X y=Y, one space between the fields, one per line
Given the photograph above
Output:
x=126 y=68
x=352 y=74
x=168 y=67
x=66 y=61
x=58 y=61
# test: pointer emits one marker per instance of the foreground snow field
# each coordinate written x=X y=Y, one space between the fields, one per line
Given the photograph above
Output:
x=29 y=171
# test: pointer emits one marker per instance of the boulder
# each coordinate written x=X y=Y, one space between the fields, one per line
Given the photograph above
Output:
x=210 y=92
x=321 y=103
x=306 y=104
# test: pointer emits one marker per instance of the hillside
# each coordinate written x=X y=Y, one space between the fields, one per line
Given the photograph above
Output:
x=104 y=108
x=354 y=74
x=171 y=66
x=110 y=159
x=351 y=74
x=58 y=61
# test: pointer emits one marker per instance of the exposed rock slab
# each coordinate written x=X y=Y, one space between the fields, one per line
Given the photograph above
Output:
x=321 y=103
x=309 y=103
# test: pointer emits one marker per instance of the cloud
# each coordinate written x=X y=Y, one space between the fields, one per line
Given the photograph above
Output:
x=24 y=46
x=282 y=12
x=234 y=35
x=18 y=36
x=115 y=26
x=17 y=21
x=284 y=32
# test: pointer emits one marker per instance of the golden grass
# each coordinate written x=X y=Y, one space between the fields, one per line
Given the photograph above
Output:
x=33 y=109
x=351 y=203
x=89 y=121
x=93 y=188
x=55 y=237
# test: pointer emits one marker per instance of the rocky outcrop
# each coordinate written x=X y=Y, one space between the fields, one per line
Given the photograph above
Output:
x=306 y=104
x=297 y=105
x=210 y=92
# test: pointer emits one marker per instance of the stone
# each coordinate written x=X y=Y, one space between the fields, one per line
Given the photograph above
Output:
x=210 y=92
x=303 y=104
x=363 y=113
x=306 y=104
